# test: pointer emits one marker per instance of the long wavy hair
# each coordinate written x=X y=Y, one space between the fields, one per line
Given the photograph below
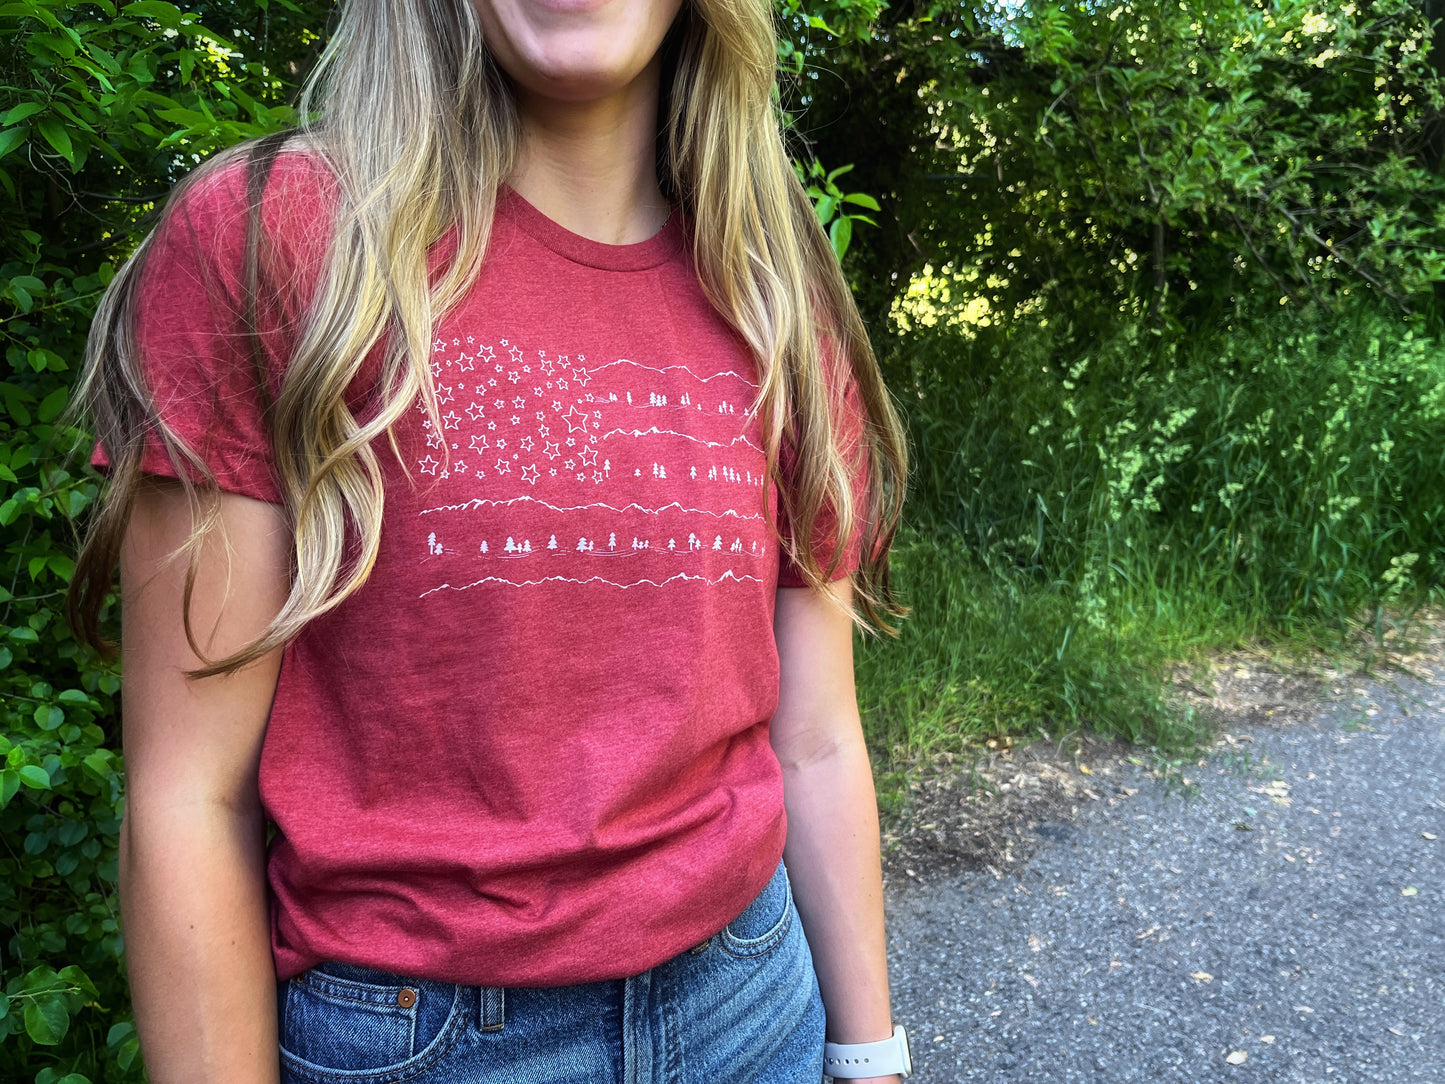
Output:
x=419 y=128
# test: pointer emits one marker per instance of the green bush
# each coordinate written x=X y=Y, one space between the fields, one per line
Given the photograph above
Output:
x=1085 y=510
x=100 y=110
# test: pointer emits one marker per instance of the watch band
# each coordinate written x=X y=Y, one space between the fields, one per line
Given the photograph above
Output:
x=846 y=1061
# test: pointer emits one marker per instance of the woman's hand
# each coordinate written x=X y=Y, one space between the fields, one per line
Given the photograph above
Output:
x=192 y=845
x=832 y=851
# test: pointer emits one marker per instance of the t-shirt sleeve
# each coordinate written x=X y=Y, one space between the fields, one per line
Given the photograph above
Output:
x=191 y=343
x=851 y=421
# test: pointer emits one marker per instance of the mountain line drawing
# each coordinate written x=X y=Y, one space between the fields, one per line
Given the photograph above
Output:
x=726 y=576
x=479 y=502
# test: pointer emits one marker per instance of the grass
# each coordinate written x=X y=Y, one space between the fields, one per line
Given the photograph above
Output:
x=1087 y=515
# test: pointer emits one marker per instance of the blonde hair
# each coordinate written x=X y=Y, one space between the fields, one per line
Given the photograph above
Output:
x=419 y=128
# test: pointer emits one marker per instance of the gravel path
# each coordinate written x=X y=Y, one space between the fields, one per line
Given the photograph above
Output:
x=1280 y=919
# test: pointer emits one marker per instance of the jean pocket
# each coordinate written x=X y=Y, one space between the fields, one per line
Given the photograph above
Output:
x=764 y=922
x=359 y=1024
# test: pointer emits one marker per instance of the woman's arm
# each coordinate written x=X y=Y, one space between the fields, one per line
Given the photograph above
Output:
x=192 y=844
x=832 y=851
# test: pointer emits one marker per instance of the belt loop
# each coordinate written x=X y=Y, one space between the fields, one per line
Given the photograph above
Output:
x=493 y=1008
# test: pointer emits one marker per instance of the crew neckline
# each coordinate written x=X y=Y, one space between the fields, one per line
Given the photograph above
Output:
x=639 y=256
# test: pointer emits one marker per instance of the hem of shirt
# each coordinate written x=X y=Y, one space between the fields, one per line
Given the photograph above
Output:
x=795 y=579
x=157 y=463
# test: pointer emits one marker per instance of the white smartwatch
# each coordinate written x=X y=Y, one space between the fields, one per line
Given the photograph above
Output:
x=846 y=1061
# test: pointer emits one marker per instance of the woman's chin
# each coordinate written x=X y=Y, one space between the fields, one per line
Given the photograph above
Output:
x=576 y=81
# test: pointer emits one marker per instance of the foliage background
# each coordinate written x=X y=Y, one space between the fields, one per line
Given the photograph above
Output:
x=1155 y=284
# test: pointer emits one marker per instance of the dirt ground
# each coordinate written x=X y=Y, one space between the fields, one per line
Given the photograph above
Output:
x=991 y=811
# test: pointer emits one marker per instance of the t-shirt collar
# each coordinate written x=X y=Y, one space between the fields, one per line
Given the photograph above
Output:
x=656 y=250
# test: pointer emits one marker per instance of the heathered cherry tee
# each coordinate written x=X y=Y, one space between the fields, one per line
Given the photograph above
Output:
x=533 y=748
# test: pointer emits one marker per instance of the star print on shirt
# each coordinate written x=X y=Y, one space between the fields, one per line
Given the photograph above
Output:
x=530 y=474
x=429 y=465
x=503 y=467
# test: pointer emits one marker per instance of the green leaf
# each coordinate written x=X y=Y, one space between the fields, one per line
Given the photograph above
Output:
x=11 y=138
x=168 y=15
x=840 y=234
x=21 y=633
x=35 y=777
x=49 y=717
x=51 y=406
x=9 y=785
x=56 y=135
x=73 y=975
x=29 y=9
x=73 y=696
x=23 y=110
x=47 y=1019
x=862 y=199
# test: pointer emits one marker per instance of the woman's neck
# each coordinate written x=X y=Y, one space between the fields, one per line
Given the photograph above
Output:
x=591 y=166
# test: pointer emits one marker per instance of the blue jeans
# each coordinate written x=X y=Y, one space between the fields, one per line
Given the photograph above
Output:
x=741 y=1007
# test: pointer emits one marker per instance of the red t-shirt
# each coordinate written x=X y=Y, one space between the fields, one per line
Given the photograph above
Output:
x=533 y=748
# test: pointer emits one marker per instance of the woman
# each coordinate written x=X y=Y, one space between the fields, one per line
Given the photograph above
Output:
x=492 y=483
